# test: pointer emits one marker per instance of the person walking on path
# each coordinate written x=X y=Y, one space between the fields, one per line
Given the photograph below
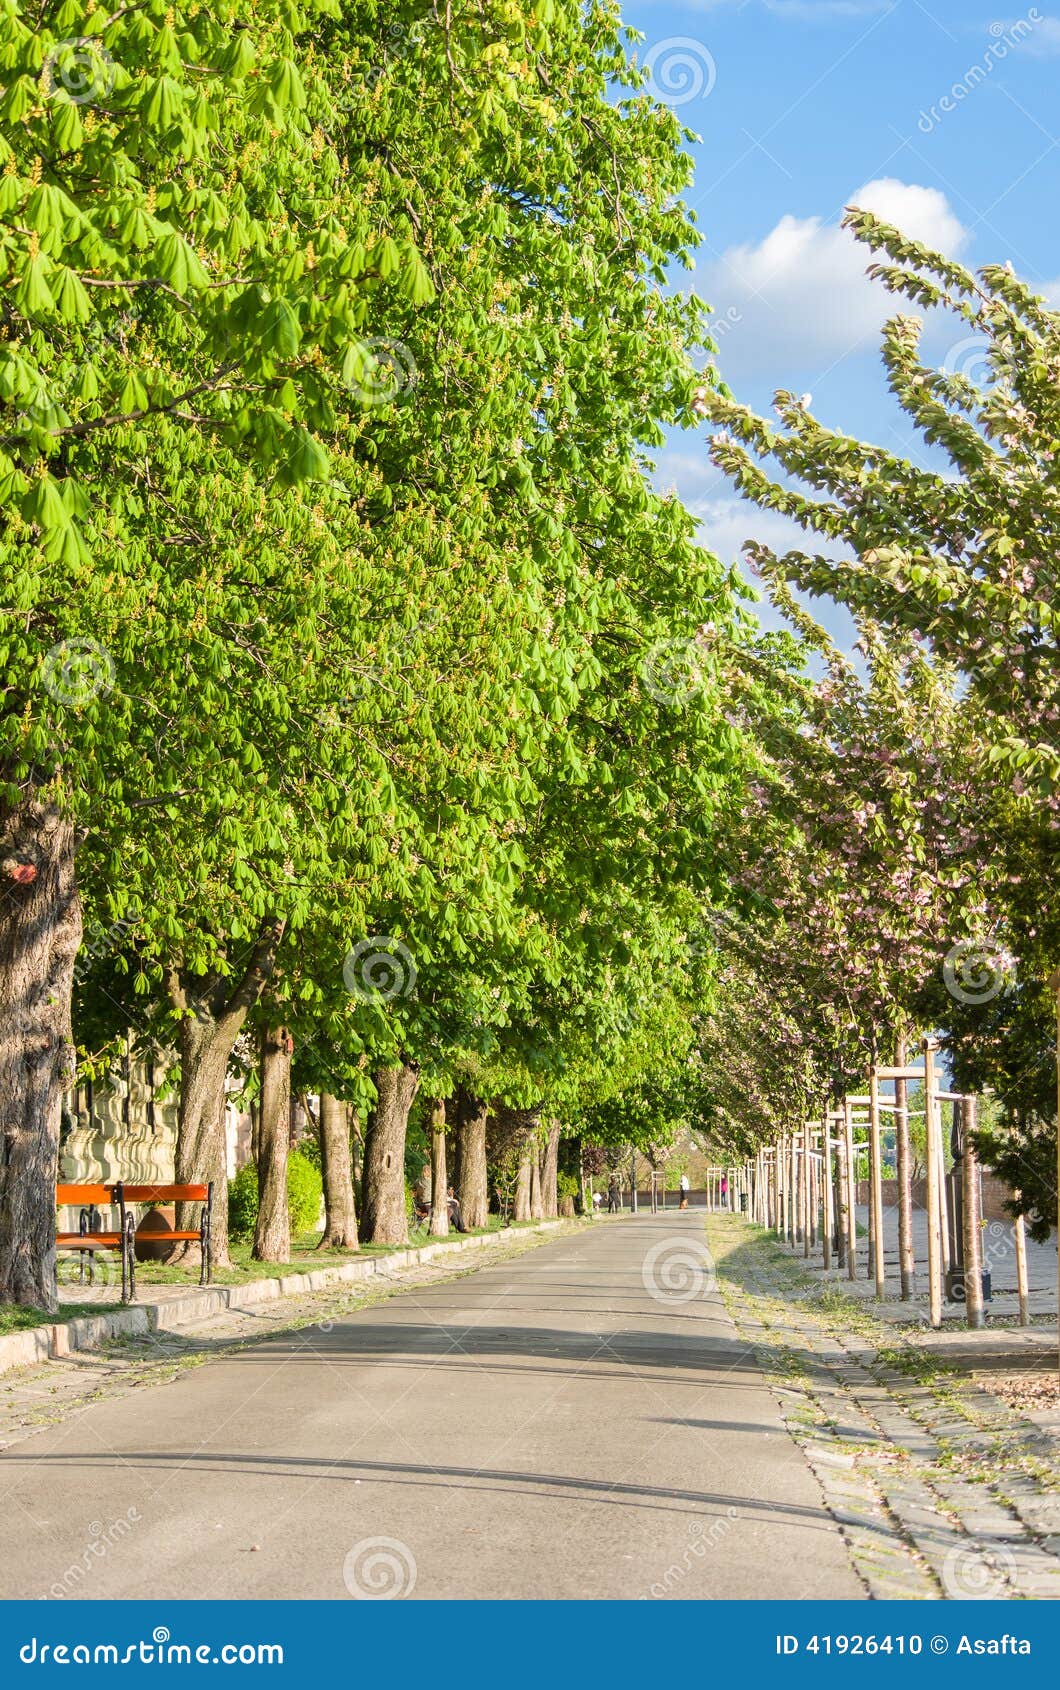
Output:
x=684 y=1188
x=614 y=1201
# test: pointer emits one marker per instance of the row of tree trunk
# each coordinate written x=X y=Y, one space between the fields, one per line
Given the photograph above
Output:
x=40 y=931
x=461 y=1131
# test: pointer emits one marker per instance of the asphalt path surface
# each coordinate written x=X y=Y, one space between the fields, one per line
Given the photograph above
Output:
x=578 y=1421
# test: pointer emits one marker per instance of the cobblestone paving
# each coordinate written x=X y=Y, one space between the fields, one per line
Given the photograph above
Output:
x=32 y=1398
x=941 y=1491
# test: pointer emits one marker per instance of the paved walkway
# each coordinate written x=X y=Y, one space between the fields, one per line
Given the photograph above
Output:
x=941 y=1489
x=999 y=1255
x=583 y=1420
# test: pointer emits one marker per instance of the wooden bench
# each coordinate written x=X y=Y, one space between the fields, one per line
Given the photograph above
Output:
x=121 y=1195
x=176 y=1194
x=89 y=1237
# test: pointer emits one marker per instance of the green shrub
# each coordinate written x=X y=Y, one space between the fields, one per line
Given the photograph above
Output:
x=567 y=1185
x=243 y=1203
x=309 y=1147
x=304 y=1190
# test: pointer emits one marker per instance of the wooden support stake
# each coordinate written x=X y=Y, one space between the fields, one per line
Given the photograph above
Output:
x=795 y=1192
x=793 y=1170
x=806 y=1170
x=852 y=1189
x=876 y=1184
x=841 y=1193
x=778 y=1181
x=829 y=1193
x=814 y=1187
x=931 y=1141
x=971 y=1232
x=944 y=1191
x=1021 y=1270
x=904 y=1179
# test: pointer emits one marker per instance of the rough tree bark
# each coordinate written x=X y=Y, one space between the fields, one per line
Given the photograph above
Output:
x=384 y=1219
x=452 y=1146
x=510 y=1138
x=356 y=1152
x=340 y=1210
x=272 y=1230
x=439 y=1227
x=537 y=1210
x=522 y=1210
x=550 y=1173
x=212 y=1014
x=40 y=931
x=473 y=1190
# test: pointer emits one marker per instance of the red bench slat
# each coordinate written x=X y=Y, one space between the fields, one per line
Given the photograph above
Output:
x=165 y=1193
x=83 y=1194
x=89 y=1241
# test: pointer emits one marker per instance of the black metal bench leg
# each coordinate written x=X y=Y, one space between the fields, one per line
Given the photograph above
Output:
x=129 y=1260
x=206 y=1238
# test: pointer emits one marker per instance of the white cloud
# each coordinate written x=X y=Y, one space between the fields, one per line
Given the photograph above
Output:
x=799 y=300
x=1043 y=41
x=727 y=523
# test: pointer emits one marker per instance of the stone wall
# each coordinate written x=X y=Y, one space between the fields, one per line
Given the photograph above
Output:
x=995 y=1195
x=125 y=1127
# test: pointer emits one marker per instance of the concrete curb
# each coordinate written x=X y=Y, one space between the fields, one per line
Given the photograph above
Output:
x=50 y=1343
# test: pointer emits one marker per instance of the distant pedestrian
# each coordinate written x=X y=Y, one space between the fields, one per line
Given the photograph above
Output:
x=684 y=1189
x=614 y=1196
x=724 y=1191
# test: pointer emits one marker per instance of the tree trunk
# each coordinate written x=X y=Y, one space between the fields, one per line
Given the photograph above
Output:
x=356 y=1153
x=473 y=1190
x=383 y=1214
x=212 y=1018
x=452 y=1146
x=537 y=1211
x=272 y=1230
x=439 y=1227
x=550 y=1173
x=40 y=931
x=201 y=1152
x=523 y=1183
x=340 y=1210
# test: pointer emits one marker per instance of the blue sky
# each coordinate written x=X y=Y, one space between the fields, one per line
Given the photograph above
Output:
x=943 y=116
